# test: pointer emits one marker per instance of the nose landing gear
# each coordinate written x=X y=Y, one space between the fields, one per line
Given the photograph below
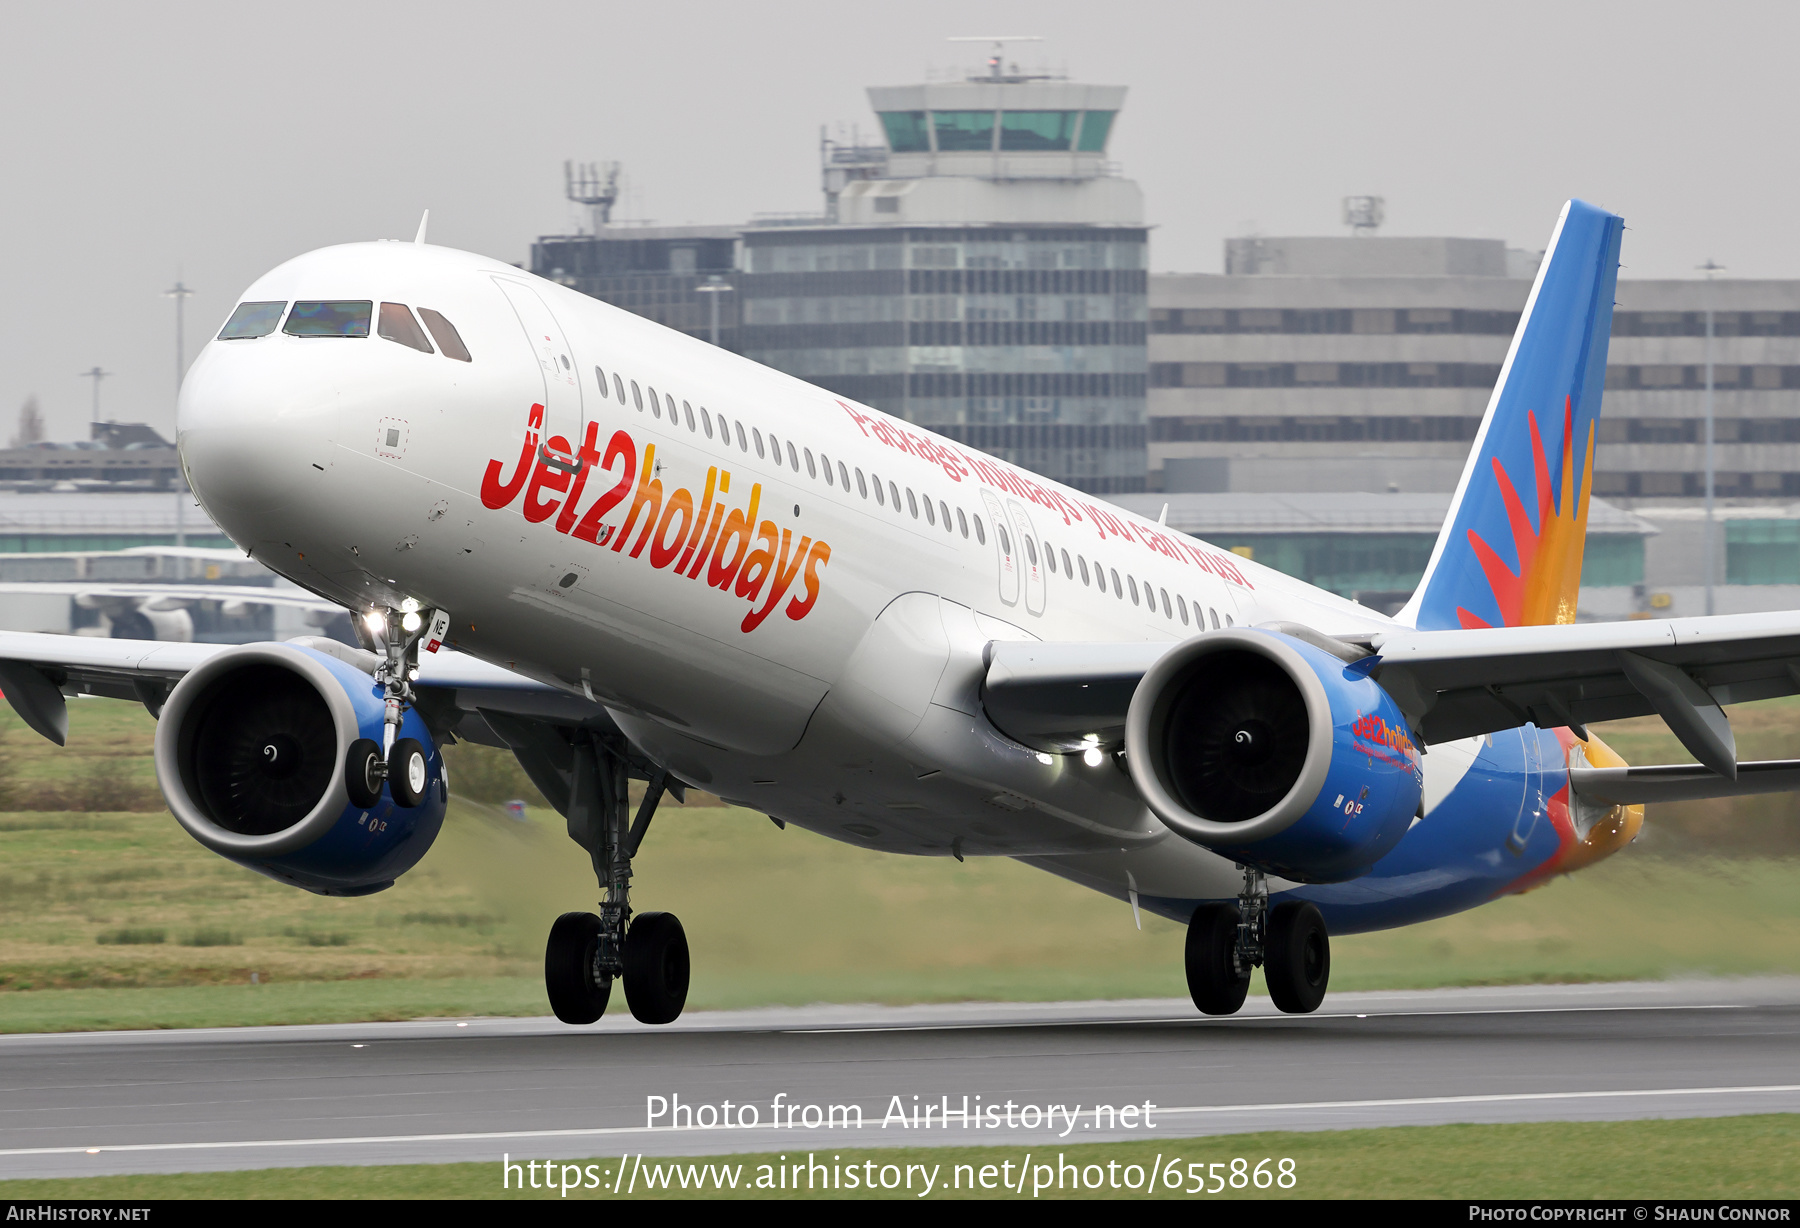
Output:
x=586 y=953
x=398 y=762
x=1289 y=943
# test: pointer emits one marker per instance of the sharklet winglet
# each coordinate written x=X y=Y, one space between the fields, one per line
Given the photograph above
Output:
x=419 y=238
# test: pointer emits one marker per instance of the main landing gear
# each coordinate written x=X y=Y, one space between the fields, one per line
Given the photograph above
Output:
x=586 y=953
x=1289 y=942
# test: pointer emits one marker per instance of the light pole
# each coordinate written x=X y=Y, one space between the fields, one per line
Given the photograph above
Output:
x=714 y=288
x=180 y=293
x=96 y=374
x=1711 y=552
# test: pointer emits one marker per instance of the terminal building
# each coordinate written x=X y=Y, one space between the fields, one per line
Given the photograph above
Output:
x=1364 y=363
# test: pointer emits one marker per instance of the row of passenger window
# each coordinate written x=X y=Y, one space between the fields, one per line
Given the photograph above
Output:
x=1170 y=610
x=772 y=448
x=347 y=318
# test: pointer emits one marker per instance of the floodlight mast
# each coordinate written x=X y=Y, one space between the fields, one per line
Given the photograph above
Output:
x=95 y=374
x=1711 y=552
x=594 y=184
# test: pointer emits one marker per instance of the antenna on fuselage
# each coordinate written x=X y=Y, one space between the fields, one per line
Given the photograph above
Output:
x=423 y=222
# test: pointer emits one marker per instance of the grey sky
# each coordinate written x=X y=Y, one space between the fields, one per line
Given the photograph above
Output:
x=220 y=139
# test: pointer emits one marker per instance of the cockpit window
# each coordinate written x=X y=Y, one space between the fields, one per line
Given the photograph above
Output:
x=252 y=320
x=445 y=334
x=329 y=319
x=397 y=324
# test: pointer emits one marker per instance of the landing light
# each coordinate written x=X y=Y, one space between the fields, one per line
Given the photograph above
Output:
x=410 y=606
x=376 y=624
x=1093 y=756
x=411 y=620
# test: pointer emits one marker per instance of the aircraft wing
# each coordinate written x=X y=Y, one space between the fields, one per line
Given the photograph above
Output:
x=459 y=693
x=1454 y=684
x=245 y=594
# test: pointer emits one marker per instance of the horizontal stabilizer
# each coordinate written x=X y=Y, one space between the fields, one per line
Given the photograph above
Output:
x=1682 y=782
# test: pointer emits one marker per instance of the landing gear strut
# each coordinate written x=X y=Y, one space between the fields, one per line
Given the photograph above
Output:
x=1289 y=943
x=398 y=762
x=586 y=953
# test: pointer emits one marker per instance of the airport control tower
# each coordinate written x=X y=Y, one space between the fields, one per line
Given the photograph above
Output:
x=983 y=275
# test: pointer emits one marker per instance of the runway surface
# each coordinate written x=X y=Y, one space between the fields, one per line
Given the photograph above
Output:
x=438 y=1091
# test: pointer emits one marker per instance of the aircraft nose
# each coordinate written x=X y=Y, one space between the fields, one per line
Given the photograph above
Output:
x=255 y=439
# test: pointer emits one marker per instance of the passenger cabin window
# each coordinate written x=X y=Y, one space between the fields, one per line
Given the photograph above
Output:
x=812 y=469
x=1067 y=570
x=396 y=323
x=655 y=405
x=637 y=396
x=944 y=512
x=601 y=377
x=980 y=533
x=687 y=411
x=1084 y=570
x=862 y=485
x=742 y=446
x=912 y=503
x=449 y=341
x=706 y=421
x=880 y=501
x=844 y=477
x=793 y=461
x=619 y=387
x=329 y=319
x=252 y=320
x=757 y=436
x=962 y=522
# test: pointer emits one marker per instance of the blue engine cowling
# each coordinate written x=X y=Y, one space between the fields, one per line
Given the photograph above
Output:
x=1275 y=753
x=250 y=752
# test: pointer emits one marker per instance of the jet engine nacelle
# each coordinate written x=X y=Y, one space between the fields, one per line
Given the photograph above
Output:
x=250 y=754
x=1274 y=753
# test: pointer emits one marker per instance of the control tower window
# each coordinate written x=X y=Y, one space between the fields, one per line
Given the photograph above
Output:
x=450 y=342
x=1095 y=126
x=906 y=131
x=330 y=319
x=963 y=130
x=252 y=320
x=397 y=324
x=1046 y=130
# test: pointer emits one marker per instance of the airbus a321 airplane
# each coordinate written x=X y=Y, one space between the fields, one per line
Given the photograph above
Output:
x=625 y=554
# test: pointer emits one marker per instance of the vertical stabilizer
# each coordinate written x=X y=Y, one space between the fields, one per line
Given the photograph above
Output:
x=1510 y=551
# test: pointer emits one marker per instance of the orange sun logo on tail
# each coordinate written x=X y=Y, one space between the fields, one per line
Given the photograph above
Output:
x=1545 y=588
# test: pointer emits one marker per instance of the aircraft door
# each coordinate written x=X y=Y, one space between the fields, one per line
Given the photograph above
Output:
x=1005 y=548
x=1031 y=561
x=556 y=364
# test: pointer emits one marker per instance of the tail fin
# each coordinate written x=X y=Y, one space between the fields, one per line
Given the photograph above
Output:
x=1510 y=550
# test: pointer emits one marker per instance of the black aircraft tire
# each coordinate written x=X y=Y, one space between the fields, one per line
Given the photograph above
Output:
x=656 y=967
x=409 y=773
x=362 y=773
x=1297 y=959
x=575 y=995
x=1212 y=976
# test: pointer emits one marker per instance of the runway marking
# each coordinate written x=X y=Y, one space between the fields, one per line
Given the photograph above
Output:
x=1162 y=1019
x=614 y=1131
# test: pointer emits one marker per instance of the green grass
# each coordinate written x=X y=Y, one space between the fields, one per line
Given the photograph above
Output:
x=1696 y=1158
x=773 y=917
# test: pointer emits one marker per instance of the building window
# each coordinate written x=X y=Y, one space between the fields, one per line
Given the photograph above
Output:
x=1095 y=125
x=963 y=130
x=1041 y=130
x=906 y=131
x=1758 y=552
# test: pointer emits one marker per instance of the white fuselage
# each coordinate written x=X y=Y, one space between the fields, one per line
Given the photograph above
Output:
x=840 y=691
